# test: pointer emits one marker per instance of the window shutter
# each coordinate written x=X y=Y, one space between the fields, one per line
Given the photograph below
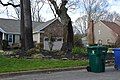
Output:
x=13 y=38
x=7 y=37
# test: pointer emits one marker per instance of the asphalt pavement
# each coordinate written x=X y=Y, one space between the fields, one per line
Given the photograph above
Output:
x=109 y=74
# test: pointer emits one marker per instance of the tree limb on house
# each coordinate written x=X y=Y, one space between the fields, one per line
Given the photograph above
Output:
x=67 y=26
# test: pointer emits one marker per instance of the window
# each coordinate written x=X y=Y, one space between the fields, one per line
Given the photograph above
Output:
x=59 y=39
x=46 y=39
x=99 y=31
x=100 y=41
x=10 y=38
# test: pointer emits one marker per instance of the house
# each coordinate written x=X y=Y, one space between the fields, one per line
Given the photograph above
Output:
x=105 y=32
x=10 y=31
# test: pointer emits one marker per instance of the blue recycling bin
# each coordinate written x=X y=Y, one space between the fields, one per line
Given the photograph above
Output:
x=116 y=58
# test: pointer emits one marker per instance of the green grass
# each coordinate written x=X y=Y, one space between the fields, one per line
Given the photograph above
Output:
x=15 y=65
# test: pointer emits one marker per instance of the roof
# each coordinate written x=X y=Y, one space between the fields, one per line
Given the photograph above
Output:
x=113 y=26
x=13 y=26
x=43 y=25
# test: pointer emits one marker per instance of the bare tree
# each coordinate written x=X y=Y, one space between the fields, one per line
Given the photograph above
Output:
x=52 y=9
x=81 y=24
x=36 y=7
x=111 y=16
x=61 y=11
x=94 y=9
x=17 y=10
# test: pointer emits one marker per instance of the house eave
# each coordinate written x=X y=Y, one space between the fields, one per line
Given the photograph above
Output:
x=49 y=23
x=12 y=33
x=3 y=31
x=38 y=32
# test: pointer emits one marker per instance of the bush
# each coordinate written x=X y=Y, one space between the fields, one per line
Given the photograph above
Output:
x=32 y=52
x=16 y=46
x=4 y=44
x=78 y=40
x=79 y=50
x=40 y=46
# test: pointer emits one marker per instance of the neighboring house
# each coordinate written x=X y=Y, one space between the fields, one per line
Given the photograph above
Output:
x=106 y=33
x=84 y=41
x=10 y=30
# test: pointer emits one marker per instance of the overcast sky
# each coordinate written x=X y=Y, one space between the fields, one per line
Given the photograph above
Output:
x=47 y=13
x=115 y=6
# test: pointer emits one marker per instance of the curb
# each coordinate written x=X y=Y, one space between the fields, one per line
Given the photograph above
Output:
x=11 y=74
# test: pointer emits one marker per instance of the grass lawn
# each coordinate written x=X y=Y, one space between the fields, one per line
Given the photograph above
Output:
x=14 y=65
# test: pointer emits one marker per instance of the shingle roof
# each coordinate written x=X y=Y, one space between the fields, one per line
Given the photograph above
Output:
x=113 y=26
x=43 y=25
x=13 y=26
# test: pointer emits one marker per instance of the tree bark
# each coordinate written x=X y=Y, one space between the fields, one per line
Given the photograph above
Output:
x=67 y=27
x=28 y=25
x=22 y=30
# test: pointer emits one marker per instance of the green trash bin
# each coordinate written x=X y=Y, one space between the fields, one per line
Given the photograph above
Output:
x=97 y=56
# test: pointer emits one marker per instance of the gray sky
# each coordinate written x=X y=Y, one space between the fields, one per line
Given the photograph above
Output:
x=47 y=13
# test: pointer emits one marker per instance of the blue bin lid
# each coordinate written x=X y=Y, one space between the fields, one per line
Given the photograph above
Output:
x=116 y=49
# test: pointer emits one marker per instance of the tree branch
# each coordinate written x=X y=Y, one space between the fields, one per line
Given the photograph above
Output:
x=56 y=7
x=9 y=4
x=52 y=9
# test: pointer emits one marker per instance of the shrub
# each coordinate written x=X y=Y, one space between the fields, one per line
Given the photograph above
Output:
x=40 y=46
x=78 y=40
x=79 y=50
x=4 y=44
x=16 y=46
x=32 y=52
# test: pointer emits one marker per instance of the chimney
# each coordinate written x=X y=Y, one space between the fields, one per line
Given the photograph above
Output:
x=90 y=33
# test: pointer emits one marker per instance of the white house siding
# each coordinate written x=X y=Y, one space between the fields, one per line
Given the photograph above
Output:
x=36 y=37
x=17 y=38
x=5 y=37
x=102 y=32
x=84 y=41
x=56 y=45
x=117 y=22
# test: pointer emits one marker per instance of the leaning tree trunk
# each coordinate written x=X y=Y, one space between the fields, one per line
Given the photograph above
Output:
x=68 y=39
x=67 y=27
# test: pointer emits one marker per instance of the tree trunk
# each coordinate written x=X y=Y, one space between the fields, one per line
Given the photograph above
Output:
x=22 y=30
x=70 y=39
x=28 y=25
x=67 y=27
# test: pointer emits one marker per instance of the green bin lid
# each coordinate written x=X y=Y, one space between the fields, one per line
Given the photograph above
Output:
x=95 y=47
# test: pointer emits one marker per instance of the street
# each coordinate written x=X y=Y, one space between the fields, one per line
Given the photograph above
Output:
x=109 y=74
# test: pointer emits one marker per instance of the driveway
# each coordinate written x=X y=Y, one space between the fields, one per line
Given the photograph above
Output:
x=109 y=74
